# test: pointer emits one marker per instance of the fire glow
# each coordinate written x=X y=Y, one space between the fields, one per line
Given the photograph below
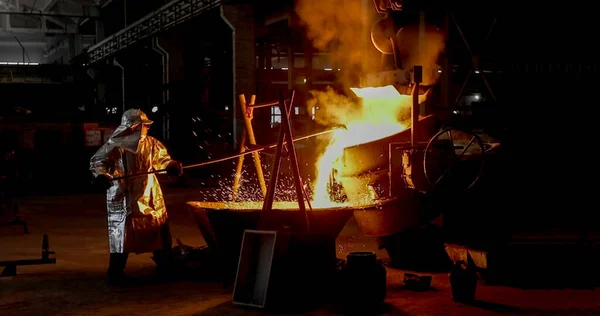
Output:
x=380 y=109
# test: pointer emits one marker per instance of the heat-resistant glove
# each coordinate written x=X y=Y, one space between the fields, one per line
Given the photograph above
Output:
x=174 y=169
x=102 y=182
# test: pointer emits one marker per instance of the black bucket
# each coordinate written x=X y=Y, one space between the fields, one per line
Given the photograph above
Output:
x=463 y=282
x=361 y=260
x=362 y=282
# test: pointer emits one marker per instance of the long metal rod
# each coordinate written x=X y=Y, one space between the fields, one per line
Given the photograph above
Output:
x=274 y=103
x=213 y=161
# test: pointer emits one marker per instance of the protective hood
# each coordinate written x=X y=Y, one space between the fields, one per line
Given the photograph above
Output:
x=129 y=133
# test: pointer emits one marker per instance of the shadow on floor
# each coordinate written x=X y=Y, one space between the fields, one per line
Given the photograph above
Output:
x=495 y=307
x=228 y=308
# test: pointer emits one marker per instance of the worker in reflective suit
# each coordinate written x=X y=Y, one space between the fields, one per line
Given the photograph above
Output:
x=137 y=217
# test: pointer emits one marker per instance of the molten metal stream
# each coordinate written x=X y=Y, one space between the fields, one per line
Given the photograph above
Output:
x=381 y=108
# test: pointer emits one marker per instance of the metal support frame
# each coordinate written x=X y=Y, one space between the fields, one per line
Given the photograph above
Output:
x=169 y=15
x=475 y=61
x=286 y=141
x=10 y=267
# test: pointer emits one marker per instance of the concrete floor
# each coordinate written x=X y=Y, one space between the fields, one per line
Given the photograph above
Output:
x=76 y=285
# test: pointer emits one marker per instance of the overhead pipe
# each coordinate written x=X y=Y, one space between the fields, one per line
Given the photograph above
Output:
x=233 y=70
x=165 y=60
x=165 y=81
x=116 y=63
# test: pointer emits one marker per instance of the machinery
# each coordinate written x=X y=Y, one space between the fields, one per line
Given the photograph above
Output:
x=431 y=156
x=439 y=170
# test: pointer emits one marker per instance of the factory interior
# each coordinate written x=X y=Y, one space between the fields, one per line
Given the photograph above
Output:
x=298 y=157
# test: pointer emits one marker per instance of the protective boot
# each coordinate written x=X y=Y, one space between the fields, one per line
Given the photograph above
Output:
x=164 y=257
x=116 y=268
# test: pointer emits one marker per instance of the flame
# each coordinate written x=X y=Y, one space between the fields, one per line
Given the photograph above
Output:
x=380 y=115
x=340 y=27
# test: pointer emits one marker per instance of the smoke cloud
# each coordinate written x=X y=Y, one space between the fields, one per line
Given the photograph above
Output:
x=411 y=54
x=340 y=27
x=332 y=107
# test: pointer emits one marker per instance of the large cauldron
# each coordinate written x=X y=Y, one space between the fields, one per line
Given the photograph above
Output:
x=223 y=223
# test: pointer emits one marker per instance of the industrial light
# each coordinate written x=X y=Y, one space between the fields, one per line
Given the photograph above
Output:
x=226 y=108
x=476 y=71
x=154 y=109
x=18 y=63
x=477 y=97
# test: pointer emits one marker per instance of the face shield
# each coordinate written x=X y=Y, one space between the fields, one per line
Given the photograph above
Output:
x=134 y=128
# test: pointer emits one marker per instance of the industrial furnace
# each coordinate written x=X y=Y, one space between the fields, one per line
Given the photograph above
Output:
x=441 y=170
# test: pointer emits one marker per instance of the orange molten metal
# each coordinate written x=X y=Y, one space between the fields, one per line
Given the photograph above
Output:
x=380 y=114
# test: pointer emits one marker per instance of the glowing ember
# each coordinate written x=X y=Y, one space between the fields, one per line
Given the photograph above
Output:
x=379 y=117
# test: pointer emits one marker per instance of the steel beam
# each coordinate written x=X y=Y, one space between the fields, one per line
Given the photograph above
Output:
x=40 y=31
x=90 y=14
x=169 y=15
